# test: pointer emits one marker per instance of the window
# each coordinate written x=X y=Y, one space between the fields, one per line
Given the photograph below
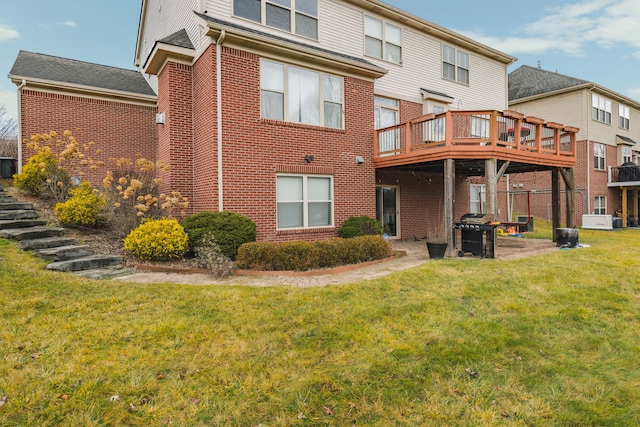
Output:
x=455 y=65
x=382 y=40
x=624 y=116
x=601 y=109
x=304 y=201
x=477 y=198
x=301 y=96
x=626 y=155
x=295 y=16
x=600 y=205
x=386 y=113
x=479 y=127
x=598 y=156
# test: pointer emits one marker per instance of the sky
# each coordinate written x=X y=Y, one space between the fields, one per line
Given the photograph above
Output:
x=594 y=40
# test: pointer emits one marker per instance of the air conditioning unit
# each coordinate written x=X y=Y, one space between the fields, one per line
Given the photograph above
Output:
x=160 y=118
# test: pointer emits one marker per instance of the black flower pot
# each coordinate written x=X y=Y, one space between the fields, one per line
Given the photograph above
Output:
x=436 y=250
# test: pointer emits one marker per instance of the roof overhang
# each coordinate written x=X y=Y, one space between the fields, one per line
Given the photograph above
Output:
x=585 y=86
x=281 y=48
x=82 y=90
x=436 y=96
x=162 y=53
x=625 y=140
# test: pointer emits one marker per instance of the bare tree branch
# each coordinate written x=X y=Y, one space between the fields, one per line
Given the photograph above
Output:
x=8 y=135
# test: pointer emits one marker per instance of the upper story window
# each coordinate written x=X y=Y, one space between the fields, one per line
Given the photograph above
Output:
x=626 y=155
x=624 y=116
x=601 y=109
x=382 y=40
x=299 y=95
x=455 y=65
x=295 y=16
x=598 y=156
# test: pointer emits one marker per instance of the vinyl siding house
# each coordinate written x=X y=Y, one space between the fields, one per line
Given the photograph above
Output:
x=301 y=113
x=608 y=138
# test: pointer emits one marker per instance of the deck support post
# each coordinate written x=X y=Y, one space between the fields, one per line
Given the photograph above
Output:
x=635 y=207
x=555 y=200
x=625 y=208
x=449 y=203
x=491 y=181
x=570 y=186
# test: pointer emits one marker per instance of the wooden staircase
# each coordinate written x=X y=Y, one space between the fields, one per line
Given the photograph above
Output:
x=19 y=221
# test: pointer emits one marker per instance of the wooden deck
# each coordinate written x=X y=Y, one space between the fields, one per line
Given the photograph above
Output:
x=506 y=136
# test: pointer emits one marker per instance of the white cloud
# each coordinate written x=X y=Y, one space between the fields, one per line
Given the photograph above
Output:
x=71 y=24
x=8 y=33
x=575 y=28
x=9 y=99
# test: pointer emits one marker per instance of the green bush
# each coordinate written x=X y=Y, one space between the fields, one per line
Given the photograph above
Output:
x=43 y=175
x=360 y=226
x=303 y=256
x=230 y=230
x=157 y=240
x=83 y=208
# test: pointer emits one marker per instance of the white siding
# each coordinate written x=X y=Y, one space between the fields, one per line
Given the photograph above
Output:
x=567 y=109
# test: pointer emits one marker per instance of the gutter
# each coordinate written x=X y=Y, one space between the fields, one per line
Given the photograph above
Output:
x=22 y=85
x=219 y=118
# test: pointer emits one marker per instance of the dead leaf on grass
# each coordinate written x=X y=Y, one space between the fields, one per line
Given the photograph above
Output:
x=301 y=416
x=160 y=376
x=3 y=400
x=115 y=398
x=472 y=373
x=328 y=411
x=64 y=397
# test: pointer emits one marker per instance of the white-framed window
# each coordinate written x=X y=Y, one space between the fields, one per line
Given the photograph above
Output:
x=477 y=198
x=455 y=64
x=600 y=205
x=304 y=201
x=626 y=155
x=598 y=156
x=382 y=40
x=600 y=109
x=623 y=112
x=479 y=127
x=299 y=95
x=294 y=16
x=386 y=112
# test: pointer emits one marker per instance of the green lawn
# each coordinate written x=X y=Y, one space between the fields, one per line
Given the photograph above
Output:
x=546 y=340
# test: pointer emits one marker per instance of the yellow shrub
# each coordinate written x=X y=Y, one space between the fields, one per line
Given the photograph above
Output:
x=157 y=240
x=83 y=207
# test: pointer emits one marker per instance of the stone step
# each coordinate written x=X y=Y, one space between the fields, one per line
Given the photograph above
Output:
x=45 y=242
x=18 y=214
x=31 y=233
x=86 y=263
x=20 y=223
x=64 y=253
x=7 y=199
x=105 y=273
x=10 y=206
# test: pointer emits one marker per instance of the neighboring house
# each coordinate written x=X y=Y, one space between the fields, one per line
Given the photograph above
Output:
x=609 y=137
x=270 y=108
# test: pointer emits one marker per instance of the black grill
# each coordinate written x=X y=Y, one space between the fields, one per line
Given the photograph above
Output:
x=478 y=235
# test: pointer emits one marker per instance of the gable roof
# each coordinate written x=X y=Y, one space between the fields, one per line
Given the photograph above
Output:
x=529 y=81
x=70 y=72
x=180 y=39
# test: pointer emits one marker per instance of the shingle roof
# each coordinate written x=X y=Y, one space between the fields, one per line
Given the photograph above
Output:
x=282 y=39
x=529 y=81
x=52 y=68
x=179 y=38
x=626 y=139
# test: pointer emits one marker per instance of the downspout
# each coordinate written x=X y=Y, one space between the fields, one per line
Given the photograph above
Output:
x=22 y=84
x=589 y=158
x=219 y=114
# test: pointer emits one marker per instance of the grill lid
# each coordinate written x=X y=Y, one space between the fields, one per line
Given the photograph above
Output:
x=476 y=218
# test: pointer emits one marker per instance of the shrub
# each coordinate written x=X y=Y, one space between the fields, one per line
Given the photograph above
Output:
x=359 y=226
x=302 y=256
x=83 y=208
x=210 y=256
x=43 y=176
x=157 y=240
x=230 y=230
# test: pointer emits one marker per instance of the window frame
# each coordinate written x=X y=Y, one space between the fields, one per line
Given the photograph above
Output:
x=294 y=12
x=600 y=205
x=627 y=154
x=305 y=201
x=600 y=109
x=456 y=64
x=623 y=116
x=385 y=28
x=323 y=98
x=599 y=161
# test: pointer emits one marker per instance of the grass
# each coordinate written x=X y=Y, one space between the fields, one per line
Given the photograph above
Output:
x=547 y=340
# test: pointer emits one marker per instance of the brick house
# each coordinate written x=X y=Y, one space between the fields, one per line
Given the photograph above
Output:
x=608 y=138
x=301 y=113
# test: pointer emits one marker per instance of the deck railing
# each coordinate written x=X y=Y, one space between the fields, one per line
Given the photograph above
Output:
x=476 y=134
x=624 y=175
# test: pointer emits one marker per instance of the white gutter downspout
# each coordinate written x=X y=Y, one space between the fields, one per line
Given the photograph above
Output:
x=589 y=159
x=219 y=118
x=22 y=84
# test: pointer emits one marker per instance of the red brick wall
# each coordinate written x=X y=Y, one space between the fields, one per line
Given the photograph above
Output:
x=175 y=137
x=119 y=129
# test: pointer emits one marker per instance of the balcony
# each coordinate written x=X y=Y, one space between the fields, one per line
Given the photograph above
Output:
x=627 y=175
x=469 y=137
